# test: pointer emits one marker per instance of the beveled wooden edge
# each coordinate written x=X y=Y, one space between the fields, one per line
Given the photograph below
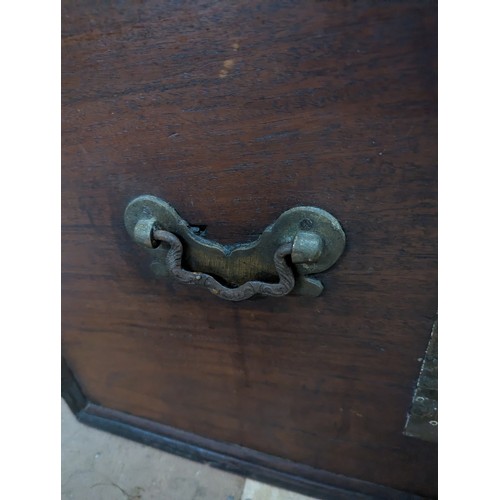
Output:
x=225 y=456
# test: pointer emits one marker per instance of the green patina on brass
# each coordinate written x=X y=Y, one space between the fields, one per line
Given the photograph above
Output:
x=316 y=237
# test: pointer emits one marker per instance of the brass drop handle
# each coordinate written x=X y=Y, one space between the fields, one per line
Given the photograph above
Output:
x=302 y=241
x=242 y=292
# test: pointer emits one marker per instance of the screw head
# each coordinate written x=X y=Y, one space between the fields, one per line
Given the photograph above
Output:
x=306 y=224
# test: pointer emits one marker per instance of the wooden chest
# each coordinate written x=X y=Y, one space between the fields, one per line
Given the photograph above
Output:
x=234 y=112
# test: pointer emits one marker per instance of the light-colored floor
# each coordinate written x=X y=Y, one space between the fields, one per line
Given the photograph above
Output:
x=100 y=466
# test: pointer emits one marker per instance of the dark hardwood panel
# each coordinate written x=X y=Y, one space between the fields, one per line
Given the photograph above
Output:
x=226 y=456
x=234 y=112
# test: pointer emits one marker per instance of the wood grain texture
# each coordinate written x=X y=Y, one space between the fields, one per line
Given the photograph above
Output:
x=233 y=113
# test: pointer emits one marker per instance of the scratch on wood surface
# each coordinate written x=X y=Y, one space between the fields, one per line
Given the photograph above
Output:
x=226 y=67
